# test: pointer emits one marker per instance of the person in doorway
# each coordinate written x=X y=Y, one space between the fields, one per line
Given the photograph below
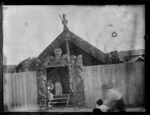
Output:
x=50 y=87
x=113 y=99
x=58 y=88
x=101 y=106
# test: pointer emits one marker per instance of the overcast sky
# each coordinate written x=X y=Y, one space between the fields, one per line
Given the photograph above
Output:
x=28 y=30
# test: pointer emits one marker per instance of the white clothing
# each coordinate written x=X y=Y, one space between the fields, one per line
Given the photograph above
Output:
x=50 y=96
x=103 y=108
x=112 y=95
x=58 y=88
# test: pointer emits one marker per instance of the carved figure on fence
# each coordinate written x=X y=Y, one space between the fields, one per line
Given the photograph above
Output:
x=79 y=99
x=65 y=59
x=78 y=81
x=79 y=62
x=46 y=62
x=42 y=90
x=68 y=58
x=73 y=59
x=58 y=53
x=64 y=21
x=52 y=59
x=42 y=85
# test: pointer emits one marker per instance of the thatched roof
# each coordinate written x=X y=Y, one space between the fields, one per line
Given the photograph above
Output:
x=79 y=42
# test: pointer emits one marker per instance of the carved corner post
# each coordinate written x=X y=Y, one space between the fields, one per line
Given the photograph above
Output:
x=78 y=83
x=42 y=89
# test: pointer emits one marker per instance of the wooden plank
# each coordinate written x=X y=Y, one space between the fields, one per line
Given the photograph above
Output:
x=21 y=90
x=107 y=72
x=19 y=100
x=28 y=88
x=7 y=90
x=97 y=84
x=113 y=76
x=105 y=76
x=90 y=82
x=134 y=79
x=139 y=84
x=17 y=89
x=58 y=65
x=30 y=84
x=34 y=93
x=132 y=84
x=60 y=98
x=129 y=70
x=58 y=102
x=86 y=92
x=12 y=92
x=118 y=76
x=123 y=78
x=25 y=89
x=126 y=82
x=93 y=86
x=14 y=89
x=99 y=80
x=89 y=86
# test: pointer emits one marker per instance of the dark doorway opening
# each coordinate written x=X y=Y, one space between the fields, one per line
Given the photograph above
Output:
x=60 y=74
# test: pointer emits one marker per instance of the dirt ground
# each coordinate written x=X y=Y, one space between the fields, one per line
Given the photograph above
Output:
x=68 y=109
x=75 y=110
x=91 y=109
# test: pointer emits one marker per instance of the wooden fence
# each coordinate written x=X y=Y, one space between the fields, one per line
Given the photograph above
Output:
x=20 y=91
x=128 y=78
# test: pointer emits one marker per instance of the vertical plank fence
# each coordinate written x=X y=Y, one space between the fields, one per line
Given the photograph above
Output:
x=127 y=78
x=21 y=91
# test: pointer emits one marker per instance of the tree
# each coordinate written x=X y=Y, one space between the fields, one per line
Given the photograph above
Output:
x=114 y=56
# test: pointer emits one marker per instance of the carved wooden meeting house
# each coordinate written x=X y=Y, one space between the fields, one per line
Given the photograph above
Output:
x=63 y=61
x=78 y=70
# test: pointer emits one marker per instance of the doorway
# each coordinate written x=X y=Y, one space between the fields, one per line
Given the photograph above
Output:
x=59 y=74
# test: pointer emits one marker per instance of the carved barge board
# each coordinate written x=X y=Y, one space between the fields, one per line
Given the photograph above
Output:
x=58 y=65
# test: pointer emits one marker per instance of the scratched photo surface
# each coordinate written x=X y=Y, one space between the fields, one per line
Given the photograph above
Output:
x=96 y=34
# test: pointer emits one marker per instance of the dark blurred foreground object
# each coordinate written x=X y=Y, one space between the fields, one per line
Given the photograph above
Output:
x=96 y=111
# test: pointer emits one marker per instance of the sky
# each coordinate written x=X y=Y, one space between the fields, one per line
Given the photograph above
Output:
x=28 y=30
